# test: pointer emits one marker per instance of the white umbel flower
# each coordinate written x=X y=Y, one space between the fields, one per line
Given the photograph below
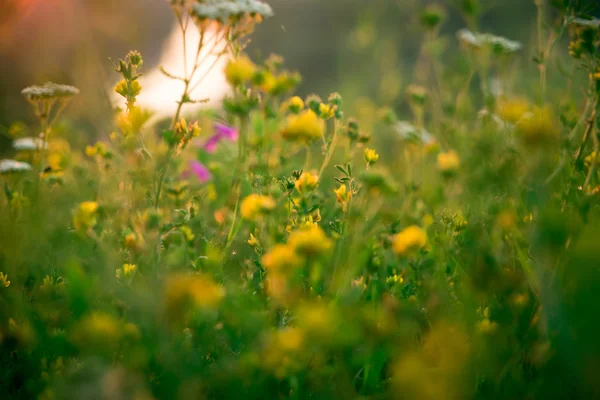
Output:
x=8 y=166
x=28 y=144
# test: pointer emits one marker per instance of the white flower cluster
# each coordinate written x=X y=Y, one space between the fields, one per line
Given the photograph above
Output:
x=49 y=91
x=498 y=44
x=28 y=144
x=587 y=23
x=7 y=166
x=221 y=10
x=408 y=131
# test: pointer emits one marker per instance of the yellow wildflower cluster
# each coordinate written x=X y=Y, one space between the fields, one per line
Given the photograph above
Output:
x=197 y=291
x=307 y=182
x=284 y=351
x=310 y=241
x=538 y=126
x=305 y=127
x=343 y=196
x=240 y=71
x=512 y=110
x=86 y=215
x=448 y=162
x=98 y=330
x=126 y=271
x=255 y=206
x=294 y=105
x=99 y=149
x=409 y=240
x=283 y=259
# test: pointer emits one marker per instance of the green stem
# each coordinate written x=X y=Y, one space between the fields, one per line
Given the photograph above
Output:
x=331 y=148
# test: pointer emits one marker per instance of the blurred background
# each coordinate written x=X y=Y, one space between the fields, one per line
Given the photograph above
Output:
x=361 y=48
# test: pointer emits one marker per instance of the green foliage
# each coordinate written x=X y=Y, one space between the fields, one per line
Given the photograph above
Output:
x=278 y=248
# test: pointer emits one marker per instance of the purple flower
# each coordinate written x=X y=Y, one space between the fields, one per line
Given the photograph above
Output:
x=226 y=132
x=222 y=132
x=200 y=170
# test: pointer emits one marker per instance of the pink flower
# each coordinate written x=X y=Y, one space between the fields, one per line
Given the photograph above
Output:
x=200 y=170
x=226 y=132
x=222 y=132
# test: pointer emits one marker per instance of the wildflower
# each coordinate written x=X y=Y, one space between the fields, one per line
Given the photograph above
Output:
x=449 y=162
x=506 y=220
x=10 y=166
x=222 y=132
x=410 y=239
x=195 y=290
x=343 y=196
x=49 y=91
x=407 y=131
x=497 y=44
x=294 y=105
x=538 y=126
x=240 y=70
x=128 y=90
x=394 y=279
x=371 y=156
x=304 y=127
x=131 y=241
x=592 y=158
x=512 y=110
x=29 y=144
x=187 y=233
x=223 y=11
x=281 y=258
x=486 y=326
x=255 y=205
x=326 y=111
x=307 y=182
x=197 y=168
x=98 y=330
x=310 y=241
x=85 y=216
x=126 y=271
x=253 y=241
x=4 y=282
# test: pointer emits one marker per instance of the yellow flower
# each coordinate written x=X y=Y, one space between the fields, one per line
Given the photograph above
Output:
x=448 y=162
x=255 y=206
x=91 y=151
x=294 y=105
x=253 y=241
x=131 y=241
x=310 y=241
x=240 y=70
x=371 y=156
x=486 y=326
x=98 y=330
x=187 y=233
x=326 y=111
x=304 y=127
x=538 y=126
x=196 y=290
x=85 y=216
x=281 y=258
x=307 y=182
x=129 y=269
x=343 y=196
x=513 y=110
x=4 y=282
x=410 y=239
